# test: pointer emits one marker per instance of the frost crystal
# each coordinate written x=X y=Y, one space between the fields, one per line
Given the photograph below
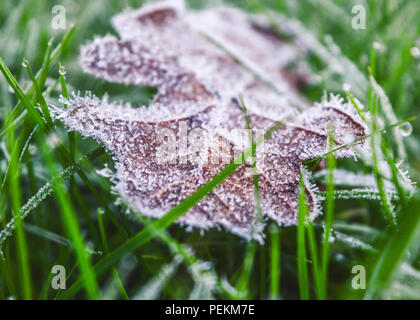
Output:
x=164 y=46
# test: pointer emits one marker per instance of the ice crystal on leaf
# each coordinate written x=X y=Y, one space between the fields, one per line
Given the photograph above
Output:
x=164 y=46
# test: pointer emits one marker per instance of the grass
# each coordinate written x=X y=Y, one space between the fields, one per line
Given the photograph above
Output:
x=329 y=215
x=72 y=224
x=275 y=270
x=302 y=266
x=56 y=209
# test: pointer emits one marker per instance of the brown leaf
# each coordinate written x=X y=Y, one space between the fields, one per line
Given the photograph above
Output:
x=164 y=46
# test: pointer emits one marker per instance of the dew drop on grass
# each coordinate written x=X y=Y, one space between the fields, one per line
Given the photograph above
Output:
x=406 y=129
x=346 y=87
x=340 y=257
x=379 y=47
x=415 y=52
x=62 y=70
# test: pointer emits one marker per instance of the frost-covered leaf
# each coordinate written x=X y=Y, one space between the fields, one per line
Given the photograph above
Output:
x=196 y=115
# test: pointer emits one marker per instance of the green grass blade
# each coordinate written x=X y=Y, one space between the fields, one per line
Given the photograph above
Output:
x=329 y=217
x=376 y=149
x=393 y=253
x=71 y=224
x=275 y=262
x=20 y=94
x=22 y=247
x=40 y=97
x=254 y=159
x=64 y=91
x=43 y=72
x=251 y=247
x=243 y=281
x=117 y=278
x=301 y=246
x=10 y=285
x=386 y=149
x=316 y=267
